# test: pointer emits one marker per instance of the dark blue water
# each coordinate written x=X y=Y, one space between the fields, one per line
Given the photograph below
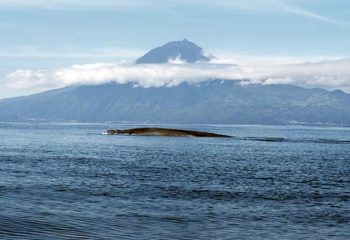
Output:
x=67 y=181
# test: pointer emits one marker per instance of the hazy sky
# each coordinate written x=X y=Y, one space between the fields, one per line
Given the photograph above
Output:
x=44 y=34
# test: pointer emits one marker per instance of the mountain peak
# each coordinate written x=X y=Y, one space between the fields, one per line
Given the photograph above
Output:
x=185 y=50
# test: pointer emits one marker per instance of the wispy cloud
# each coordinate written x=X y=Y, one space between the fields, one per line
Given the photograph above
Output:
x=229 y=57
x=297 y=10
x=329 y=74
x=280 y=6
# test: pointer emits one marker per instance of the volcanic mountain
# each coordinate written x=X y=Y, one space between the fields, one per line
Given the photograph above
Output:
x=184 y=50
x=213 y=101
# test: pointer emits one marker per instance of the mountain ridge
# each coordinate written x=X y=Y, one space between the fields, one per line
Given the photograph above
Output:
x=209 y=102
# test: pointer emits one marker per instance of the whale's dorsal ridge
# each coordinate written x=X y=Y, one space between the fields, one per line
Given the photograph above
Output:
x=169 y=132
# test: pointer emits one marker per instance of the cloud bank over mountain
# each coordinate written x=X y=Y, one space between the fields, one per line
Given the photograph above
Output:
x=327 y=74
x=179 y=82
x=183 y=61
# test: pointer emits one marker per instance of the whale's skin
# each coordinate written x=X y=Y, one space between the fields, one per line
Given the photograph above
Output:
x=168 y=132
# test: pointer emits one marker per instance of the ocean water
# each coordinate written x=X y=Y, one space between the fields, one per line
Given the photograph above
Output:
x=67 y=181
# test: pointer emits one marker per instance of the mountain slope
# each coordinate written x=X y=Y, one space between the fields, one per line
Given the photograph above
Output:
x=209 y=102
x=185 y=50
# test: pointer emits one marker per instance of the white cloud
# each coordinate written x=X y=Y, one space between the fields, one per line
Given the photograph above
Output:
x=177 y=60
x=144 y=74
x=327 y=74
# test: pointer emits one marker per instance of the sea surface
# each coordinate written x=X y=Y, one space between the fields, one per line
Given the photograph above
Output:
x=68 y=181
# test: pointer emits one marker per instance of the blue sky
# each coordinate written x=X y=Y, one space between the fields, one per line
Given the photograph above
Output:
x=299 y=27
x=39 y=34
